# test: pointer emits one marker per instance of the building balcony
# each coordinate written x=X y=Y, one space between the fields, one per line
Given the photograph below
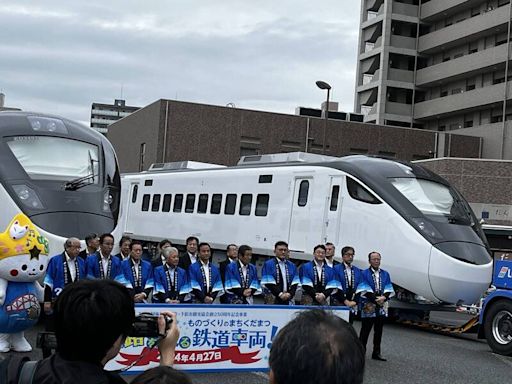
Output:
x=468 y=29
x=400 y=75
x=398 y=108
x=440 y=8
x=453 y=104
x=403 y=42
x=405 y=9
x=462 y=66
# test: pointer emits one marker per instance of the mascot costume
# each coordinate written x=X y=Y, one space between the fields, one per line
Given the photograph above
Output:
x=23 y=260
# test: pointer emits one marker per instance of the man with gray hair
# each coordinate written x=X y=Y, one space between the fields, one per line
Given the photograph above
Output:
x=171 y=281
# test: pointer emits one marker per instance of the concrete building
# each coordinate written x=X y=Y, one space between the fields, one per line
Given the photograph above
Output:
x=102 y=115
x=2 y=104
x=167 y=131
x=439 y=65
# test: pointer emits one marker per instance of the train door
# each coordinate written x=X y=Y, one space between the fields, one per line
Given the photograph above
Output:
x=300 y=218
x=332 y=211
x=131 y=208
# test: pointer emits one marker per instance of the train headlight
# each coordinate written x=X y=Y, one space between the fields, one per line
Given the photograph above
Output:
x=28 y=196
x=108 y=199
x=427 y=228
x=47 y=124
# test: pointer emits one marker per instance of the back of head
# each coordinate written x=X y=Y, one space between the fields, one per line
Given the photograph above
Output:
x=90 y=315
x=317 y=347
x=162 y=375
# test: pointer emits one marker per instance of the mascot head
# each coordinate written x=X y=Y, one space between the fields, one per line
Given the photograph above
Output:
x=23 y=251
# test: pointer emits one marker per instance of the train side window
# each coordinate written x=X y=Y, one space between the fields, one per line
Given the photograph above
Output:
x=335 y=193
x=155 y=206
x=202 y=205
x=189 y=204
x=245 y=205
x=134 y=193
x=265 y=179
x=262 y=205
x=358 y=192
x=145 y=202
x=178 y=202
x=229 y=208
x=166 y=206
x=303 y=193
x=216 y=203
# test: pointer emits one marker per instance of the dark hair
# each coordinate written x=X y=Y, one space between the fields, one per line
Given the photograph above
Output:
x=162 y=375
x=319 y=246
x=105 y=235
x=329 y=243
x=190 y=238
x=242 y=249
x=317 y=347
x=280 y=243
x=135 y=242
x=89 y=317
x=230 y=245
x=90 y=237
x=123 y=239
x=204 y=244
x=163 y=242
x=370 y=254
x=346 y=249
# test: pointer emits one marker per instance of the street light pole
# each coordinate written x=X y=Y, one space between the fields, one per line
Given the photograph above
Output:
x=323 y=85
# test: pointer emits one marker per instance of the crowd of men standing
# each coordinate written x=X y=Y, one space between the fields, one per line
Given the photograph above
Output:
x=193 y=278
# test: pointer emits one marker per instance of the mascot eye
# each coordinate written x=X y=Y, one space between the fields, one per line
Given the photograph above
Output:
x=24 y=267
x=41 y=267
x=14 y=272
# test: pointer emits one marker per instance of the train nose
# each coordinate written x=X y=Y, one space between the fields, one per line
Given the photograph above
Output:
x=453 y=278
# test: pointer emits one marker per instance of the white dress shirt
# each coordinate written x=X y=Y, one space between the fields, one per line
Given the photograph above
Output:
x=282 y=268
x=104 y=263
x=348 y=275
x=206 y=274
x=71 y=266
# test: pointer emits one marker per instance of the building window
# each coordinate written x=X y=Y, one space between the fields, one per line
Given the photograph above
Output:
x=216 y=203
x=334 y=197
x=456 y=91
x=145 y=202
x=189 y=204
x=262 y=204
x=155 y=206
x=496 y=119
x=178 y=203
x=202 y=205
x=470 y=87
x=245 y=205
x=303 y=193
x=166 y=206
x=229 y=208
x=468 y=124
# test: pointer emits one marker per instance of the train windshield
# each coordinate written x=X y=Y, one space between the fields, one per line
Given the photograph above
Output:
x=55 y=158
x=433 y=199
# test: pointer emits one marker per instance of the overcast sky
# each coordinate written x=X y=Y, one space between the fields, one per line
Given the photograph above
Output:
x=61 y=56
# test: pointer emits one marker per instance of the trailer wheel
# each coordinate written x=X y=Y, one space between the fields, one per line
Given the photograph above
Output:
x=498 y=327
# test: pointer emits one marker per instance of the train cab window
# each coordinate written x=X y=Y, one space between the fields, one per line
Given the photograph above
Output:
x=189 y=204
x=145 y=202
x=358 y=192
x=166 y=206
x=202 y=205
x=303 y=193
x=245 y=205
x=262 y=204
x=178 y=202
x=155 y=206
x=335 y=193
x=134 y=193
x=229 y=208
x=216 y=203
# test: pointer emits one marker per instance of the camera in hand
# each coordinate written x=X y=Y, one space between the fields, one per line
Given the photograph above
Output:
x=146 y=325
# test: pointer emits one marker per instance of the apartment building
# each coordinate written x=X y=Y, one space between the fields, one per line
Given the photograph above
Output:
x=102 y=115
x=439 y=65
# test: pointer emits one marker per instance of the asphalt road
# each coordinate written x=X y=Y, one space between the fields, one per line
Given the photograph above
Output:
x=414 y=356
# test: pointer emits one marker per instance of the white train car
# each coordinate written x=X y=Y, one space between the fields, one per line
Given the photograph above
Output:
x=429 y=238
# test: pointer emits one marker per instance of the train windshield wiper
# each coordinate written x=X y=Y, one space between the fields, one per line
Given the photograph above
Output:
x=80 y=182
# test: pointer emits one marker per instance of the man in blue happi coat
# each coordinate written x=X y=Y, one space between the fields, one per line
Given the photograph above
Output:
x=279 y=277
x=171 y=281
x=204 y=277
x=375 y=289
x=317 y=279
x=350 y=276
x=102 y=264
x=137 y=274
x=242 y=278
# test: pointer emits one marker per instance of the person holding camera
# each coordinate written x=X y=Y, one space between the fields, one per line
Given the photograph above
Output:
x=92 y=320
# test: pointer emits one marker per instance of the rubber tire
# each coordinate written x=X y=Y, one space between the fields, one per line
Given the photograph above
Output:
x=491 y=312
